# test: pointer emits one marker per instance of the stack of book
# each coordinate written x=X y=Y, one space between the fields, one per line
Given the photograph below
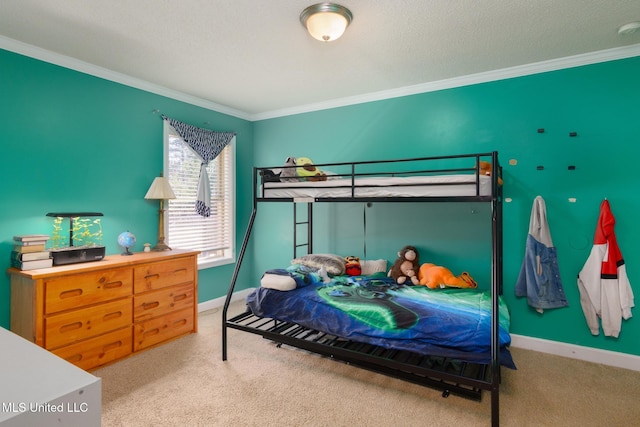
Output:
x=30 y=253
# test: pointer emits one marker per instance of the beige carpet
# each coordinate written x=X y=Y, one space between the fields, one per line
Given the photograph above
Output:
x=185 y=383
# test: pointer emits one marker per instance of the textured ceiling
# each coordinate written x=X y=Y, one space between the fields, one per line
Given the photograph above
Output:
x=254 y=56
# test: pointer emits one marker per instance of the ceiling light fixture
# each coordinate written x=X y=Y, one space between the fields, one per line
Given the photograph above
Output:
x=326 y=21
x=629 y=28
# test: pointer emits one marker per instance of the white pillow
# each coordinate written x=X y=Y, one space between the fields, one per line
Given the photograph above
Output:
x=370 y=267
x=277 y=281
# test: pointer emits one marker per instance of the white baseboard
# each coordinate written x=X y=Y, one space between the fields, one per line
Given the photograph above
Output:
x=588 y=354
x=219 y=302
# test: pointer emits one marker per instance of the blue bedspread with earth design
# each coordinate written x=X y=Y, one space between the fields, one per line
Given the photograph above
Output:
x=453 y=323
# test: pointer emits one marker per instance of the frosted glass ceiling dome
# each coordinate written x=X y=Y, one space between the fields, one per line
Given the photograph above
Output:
x=326 y=21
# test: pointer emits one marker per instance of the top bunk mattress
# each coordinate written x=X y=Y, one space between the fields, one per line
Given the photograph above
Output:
x=458 y=185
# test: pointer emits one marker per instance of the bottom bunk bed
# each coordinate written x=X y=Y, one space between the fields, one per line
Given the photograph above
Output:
x=448 y=375
x=438 y=338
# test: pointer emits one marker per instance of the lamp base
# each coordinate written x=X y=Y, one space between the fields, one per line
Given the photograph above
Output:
x=161 y=246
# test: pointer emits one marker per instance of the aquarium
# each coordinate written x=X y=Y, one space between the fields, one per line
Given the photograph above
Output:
x=76 y=237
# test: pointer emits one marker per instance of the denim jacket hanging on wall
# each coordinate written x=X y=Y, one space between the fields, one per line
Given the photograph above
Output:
x=539 y=279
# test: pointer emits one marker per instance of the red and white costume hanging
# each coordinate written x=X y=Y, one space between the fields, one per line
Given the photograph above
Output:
x=605 y=291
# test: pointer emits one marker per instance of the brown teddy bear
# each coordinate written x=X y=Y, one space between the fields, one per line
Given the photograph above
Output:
x=406 y=266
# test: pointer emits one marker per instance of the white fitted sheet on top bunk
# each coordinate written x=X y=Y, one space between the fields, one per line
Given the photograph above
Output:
x=434 y=186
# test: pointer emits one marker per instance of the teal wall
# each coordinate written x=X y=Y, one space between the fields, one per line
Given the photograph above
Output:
x=73 y=142
x=77 y=142
x=599 y=102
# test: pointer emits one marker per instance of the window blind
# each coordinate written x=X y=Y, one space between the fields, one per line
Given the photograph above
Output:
x=213 y=236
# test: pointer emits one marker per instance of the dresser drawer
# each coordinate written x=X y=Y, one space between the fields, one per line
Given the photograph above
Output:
x=70 y=327
x=77 y=290
x=97 y=351
x=158 y=275
x=156 y=303
x=154 y=331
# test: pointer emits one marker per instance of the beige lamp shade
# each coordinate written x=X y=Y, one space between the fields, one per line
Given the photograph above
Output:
x=160 y=190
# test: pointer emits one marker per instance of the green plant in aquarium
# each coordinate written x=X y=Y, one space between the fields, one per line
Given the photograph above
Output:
x=81 y=232
x=87 y=232
x=98 y=233
x=58 y=240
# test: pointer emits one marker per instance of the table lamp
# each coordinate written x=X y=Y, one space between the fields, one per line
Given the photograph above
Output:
x=160 y=190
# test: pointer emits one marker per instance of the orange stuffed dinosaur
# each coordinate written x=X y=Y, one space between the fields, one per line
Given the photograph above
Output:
x=436 y=276
x=486 y=169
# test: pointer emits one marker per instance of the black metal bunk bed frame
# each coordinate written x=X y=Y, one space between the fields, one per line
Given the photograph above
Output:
x=450 y=376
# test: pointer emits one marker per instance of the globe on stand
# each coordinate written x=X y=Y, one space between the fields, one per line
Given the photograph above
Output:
x=127 y=240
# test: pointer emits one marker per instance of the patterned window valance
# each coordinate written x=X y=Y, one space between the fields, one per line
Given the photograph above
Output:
x=207 y=144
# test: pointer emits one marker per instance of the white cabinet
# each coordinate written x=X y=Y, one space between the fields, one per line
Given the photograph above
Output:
x=39 y=389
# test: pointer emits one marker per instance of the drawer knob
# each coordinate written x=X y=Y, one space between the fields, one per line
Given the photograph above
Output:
x=71 y=293
x=111 y=316
x=70 y=327
x=150 y=305
x=74 y=359
x=180 y=297
x=111 y=346
x=113 y=285
x=179 y=323
x=151 y=332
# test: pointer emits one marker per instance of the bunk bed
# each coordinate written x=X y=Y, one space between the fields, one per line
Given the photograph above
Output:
x=466 y=370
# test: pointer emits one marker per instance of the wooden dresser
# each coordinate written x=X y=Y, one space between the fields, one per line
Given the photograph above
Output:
x=95 y=313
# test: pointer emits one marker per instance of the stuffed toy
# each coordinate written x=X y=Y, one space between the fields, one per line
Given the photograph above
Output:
x=288 y=173
x=486 y=169
x=353 y=267
x=324 y=276
x=268 y=175
x=406 y=266
x=306 y=170
x=436 y=276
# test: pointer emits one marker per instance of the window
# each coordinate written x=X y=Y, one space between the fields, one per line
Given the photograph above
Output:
x=213 y=236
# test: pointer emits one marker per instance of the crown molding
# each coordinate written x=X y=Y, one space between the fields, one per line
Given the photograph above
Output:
x=489 y=76
x=104 y=73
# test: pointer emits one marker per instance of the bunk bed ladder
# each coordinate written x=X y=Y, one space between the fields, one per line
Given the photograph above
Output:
x=306 y=225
